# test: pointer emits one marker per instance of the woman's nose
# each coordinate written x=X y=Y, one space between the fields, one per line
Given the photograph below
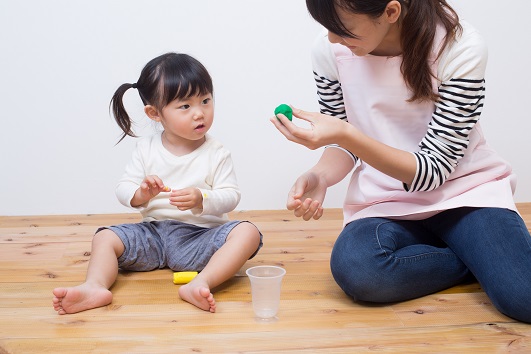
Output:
x=334 y=38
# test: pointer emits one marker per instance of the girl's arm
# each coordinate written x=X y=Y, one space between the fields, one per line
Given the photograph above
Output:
x=224 y=195
x=131 y=180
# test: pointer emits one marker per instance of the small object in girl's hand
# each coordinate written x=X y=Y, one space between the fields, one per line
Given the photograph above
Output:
x=285 y=110
x=166 y=189
x=183 y=277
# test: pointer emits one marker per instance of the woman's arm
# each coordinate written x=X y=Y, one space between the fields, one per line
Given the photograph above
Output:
x=326 y=130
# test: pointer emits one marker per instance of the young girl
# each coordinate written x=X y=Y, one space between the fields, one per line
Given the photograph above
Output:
x=401 y=89
x=183 y=183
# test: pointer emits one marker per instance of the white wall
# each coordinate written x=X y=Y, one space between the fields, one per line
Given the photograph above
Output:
x=62 y=60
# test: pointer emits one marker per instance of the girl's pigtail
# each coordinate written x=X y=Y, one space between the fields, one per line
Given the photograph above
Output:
x=119 y=112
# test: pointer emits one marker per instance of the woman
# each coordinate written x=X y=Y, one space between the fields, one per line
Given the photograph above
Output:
x=401 y=88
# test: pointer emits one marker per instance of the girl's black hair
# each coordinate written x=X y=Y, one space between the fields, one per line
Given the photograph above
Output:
x=417 y=35
x=165 y=78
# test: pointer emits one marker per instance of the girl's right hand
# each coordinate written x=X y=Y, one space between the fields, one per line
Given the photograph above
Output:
x=150 y=187
x=307 y=195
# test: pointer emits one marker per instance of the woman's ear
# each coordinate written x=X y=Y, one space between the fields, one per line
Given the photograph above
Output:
x=152 y=113
x=393 y=11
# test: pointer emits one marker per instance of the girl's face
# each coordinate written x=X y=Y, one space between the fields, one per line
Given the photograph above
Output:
x=377 y=36
x=188 y=120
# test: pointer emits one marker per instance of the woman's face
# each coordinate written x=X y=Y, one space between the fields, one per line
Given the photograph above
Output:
x=377 y=36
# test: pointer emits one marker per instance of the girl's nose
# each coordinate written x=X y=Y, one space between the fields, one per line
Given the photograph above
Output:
x=198 y=113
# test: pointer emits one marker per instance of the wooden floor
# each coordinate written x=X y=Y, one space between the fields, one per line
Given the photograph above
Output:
x=147 y=316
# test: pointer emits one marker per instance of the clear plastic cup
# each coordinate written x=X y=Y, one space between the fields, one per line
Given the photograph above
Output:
x=265 y=290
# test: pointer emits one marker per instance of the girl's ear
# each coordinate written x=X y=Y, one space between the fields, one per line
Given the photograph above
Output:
x=152 y=113
x=393 y=10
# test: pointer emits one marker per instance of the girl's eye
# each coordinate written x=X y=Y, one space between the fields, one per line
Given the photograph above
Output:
x=184 y=106
x=206 y=100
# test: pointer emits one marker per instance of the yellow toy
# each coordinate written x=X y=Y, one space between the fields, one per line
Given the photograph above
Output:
x=183 y=277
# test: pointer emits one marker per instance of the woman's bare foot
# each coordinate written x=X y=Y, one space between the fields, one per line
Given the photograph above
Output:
x=80 y=298
x=197 y=293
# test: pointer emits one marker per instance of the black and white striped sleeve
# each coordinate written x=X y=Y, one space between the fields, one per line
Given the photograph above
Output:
x=330 y=97
x=329 y=92
x=457 y=111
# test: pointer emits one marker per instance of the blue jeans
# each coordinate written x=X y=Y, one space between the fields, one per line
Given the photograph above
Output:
x=384 y=260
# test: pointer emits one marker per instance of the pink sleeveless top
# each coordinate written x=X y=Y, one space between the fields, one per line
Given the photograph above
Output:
x=375 y=97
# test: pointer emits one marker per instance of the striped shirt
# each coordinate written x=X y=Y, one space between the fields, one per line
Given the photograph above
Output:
x=457 y=112
x=461 y=89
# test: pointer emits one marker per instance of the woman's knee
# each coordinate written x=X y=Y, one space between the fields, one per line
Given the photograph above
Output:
x=512 y=301
x=365 y=263
x=357 y=271
x=362 y=283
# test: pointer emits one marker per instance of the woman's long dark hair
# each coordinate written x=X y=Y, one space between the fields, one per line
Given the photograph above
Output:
x=165 y=78
x=417 y=34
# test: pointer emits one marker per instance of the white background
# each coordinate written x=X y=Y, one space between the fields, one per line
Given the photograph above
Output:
x=62 y=60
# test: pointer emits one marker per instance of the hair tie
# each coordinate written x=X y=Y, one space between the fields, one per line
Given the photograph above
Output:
x=134 y=85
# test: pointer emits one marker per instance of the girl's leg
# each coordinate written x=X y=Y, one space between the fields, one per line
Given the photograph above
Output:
x=495 y=245
x=382 y=260
x=242 y=242
x=101 y=274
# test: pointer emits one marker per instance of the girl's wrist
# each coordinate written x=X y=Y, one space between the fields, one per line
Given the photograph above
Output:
x=138 y=199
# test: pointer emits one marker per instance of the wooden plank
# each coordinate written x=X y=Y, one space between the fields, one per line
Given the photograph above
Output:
x=40 y=253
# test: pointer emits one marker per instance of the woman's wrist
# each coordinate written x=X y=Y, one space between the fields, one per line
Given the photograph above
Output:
x=347 y=136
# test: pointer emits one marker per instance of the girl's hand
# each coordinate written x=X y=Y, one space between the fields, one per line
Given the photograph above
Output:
x=150 y=187
x=187 y=198
x=307 y=195
x=324 y=129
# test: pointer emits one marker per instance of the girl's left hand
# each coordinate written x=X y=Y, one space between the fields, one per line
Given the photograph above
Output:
x=324 y=130
x=187 y=198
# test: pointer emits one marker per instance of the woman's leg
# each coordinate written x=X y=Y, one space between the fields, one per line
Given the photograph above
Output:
x=101 y=274
x=241 y=243
x=495 y=245
x=382 y=260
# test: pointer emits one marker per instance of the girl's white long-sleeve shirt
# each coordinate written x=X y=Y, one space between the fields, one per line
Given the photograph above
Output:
x=208 y=168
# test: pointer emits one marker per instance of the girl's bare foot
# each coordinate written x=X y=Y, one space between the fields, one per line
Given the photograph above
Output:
x=197 y=293
x=80 y=298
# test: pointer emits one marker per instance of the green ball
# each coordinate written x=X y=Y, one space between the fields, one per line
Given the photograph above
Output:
x=285 y=110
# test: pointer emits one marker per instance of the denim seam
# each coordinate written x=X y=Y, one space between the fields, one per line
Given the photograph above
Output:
x=378 y=238
x=422 y=256
x=408 y=259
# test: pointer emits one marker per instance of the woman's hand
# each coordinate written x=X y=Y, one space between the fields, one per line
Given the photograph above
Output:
x=187 y=198
x=150 y=187
x=324 y=129
x=307 y=195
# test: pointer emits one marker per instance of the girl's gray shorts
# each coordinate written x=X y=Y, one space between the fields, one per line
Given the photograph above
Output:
x=170 y=244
